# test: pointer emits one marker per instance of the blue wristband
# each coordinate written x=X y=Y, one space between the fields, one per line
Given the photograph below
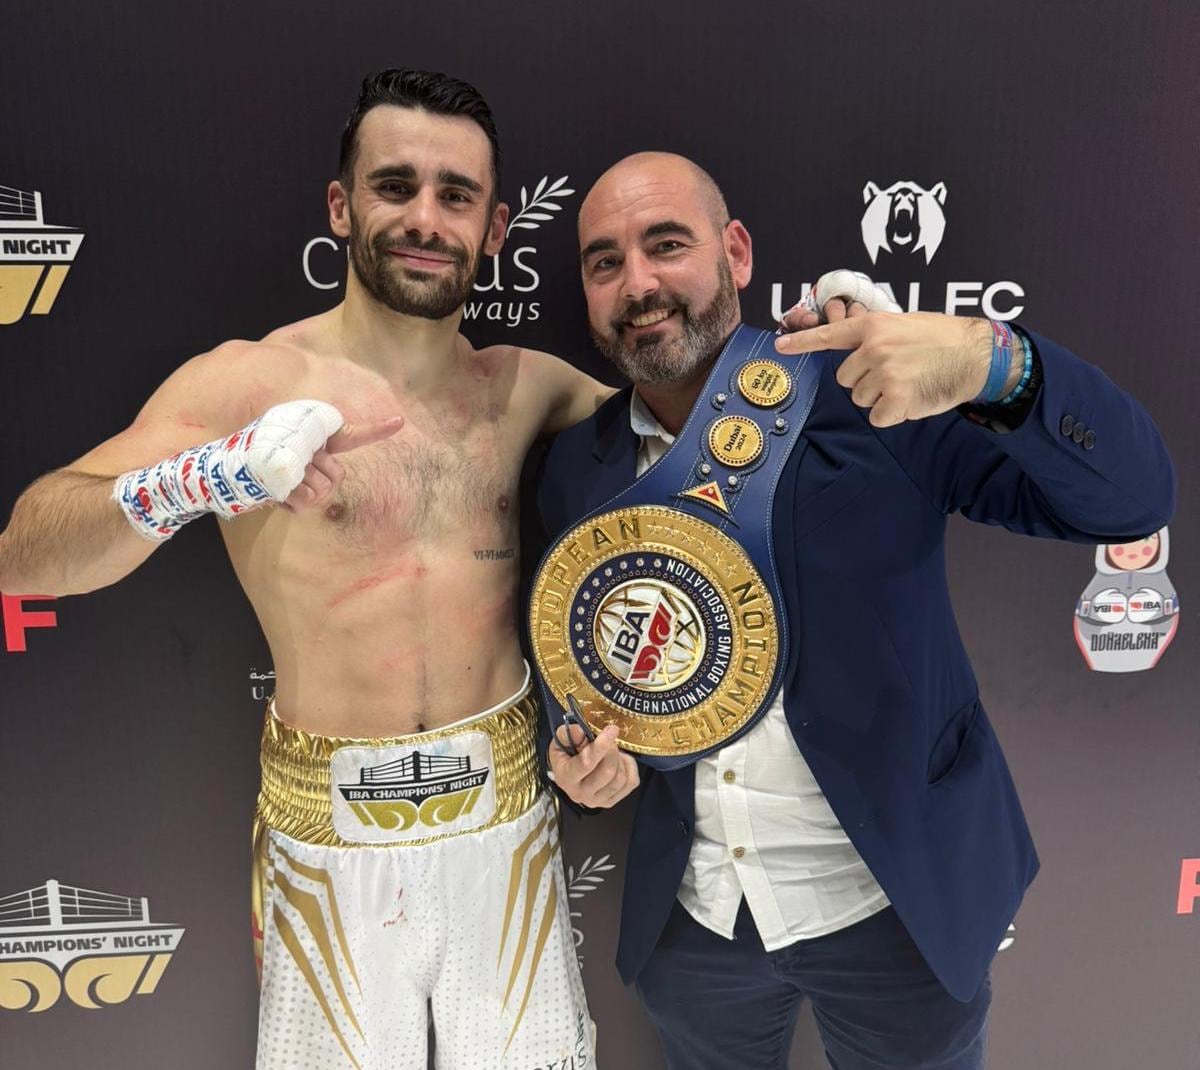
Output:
x=1002 y=345
x=1026 y=372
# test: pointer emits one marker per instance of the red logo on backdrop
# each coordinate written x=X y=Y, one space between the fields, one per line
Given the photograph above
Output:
x=18 y=620
x=1189 y=886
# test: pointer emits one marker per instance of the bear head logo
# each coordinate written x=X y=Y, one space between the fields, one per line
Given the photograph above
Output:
x=903 y=218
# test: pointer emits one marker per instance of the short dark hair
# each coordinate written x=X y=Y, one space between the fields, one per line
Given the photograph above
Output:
x=428 y=91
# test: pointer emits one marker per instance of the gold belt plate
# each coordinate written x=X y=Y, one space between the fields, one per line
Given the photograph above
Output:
x=657 y=622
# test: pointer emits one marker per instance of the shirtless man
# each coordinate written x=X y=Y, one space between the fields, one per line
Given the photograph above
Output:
x=382 y=565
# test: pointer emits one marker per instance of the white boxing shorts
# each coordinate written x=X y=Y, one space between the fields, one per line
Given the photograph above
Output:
x=413 y=881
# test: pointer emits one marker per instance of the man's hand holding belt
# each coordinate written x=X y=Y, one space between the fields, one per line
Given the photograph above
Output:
x=594 y=773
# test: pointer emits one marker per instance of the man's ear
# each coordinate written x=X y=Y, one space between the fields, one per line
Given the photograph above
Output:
x=497 y=229
x=739 y=252
x=338 y=199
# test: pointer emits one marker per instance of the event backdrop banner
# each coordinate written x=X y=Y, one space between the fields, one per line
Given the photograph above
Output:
x=163 y=173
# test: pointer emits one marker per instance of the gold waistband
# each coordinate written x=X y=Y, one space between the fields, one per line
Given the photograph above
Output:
x=295 y=794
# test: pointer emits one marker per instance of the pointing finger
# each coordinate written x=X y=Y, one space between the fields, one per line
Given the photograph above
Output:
x=845 y=334
x=352 y=436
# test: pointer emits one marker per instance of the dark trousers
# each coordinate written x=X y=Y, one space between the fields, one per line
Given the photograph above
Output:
x=731 y=1005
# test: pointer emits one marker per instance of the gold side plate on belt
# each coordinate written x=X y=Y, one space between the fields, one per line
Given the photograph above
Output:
x=735 y=441
x=657 y=622
x=764 y=382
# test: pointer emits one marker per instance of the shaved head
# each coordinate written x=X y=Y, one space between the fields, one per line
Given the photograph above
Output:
x=670 y=167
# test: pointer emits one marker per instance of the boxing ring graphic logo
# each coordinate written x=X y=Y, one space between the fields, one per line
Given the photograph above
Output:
x=34 y=256
x=95 y=948
x=433 y=789
x=511 y=272
x=903 y=218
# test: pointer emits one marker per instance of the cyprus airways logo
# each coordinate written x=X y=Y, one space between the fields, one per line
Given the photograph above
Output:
x=903 y=218
x=903 y=226
x=34 y=256
x=95 y=948
x=512 y=272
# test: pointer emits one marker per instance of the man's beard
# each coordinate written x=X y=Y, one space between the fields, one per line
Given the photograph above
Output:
x=653 y=359
x=406 y=290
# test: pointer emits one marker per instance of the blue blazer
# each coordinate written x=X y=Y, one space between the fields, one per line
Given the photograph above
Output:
x=879 y=692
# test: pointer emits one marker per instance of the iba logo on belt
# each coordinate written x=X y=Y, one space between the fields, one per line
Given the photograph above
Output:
x=97 y=948
x=34 y=256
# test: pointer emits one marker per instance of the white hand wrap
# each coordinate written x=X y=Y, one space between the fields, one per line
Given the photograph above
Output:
x=850 y=286
x=263 y=462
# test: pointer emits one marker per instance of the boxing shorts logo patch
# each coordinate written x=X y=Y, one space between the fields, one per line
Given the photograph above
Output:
x=412 y=792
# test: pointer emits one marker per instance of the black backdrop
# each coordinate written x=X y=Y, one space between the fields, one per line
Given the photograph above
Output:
x=191 y=143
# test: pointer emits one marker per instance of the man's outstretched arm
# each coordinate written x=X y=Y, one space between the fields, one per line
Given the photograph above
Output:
x=67 y=534
x=92 y=523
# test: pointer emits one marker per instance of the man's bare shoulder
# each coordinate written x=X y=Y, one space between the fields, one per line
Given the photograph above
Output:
x=529 y=362
x=571 y=394
x=306 y=338
x=231 y=383
x=234 y=380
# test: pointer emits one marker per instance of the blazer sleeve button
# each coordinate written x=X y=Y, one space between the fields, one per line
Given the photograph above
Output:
x=1067 y=425
x=1078 y=433
x=1089 y=440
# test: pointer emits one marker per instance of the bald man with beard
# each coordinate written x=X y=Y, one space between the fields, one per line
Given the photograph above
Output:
x=861 y=845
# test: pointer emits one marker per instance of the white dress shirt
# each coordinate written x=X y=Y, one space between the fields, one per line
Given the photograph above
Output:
x=763 y=828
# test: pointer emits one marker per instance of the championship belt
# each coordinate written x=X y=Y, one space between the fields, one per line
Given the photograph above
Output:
x=661 y=612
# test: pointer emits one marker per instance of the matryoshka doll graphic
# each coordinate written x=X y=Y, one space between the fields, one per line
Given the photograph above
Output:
x=1128 y=614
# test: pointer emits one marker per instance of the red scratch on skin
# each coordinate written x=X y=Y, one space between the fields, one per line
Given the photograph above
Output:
x=375 y=579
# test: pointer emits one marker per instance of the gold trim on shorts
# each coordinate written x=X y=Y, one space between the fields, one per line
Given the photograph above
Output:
x=294 y=798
